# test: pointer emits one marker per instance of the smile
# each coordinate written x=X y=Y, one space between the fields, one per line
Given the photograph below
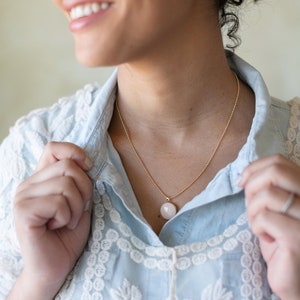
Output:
x=88 y=9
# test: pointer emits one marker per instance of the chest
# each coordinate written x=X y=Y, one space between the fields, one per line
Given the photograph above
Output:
x=163 y=178
x=123 y=260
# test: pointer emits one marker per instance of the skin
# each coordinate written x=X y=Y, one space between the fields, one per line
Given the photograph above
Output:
x=268 y=183
x=52 y=214
x=173 y=83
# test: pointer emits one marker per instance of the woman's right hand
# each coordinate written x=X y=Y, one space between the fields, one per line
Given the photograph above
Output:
x=52 y=214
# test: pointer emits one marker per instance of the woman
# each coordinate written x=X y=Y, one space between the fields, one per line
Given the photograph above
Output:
x=141 y=189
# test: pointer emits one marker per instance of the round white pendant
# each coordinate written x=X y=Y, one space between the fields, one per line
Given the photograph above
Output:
x=168 y=210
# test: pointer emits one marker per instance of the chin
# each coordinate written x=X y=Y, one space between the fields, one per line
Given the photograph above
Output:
x=92 y=62
x=87 y=62
x=93 y=59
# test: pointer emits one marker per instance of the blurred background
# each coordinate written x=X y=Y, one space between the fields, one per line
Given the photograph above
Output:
x=37 y=63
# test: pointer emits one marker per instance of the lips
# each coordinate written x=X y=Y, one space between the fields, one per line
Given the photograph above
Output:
x=87 y=9
x=83 y=13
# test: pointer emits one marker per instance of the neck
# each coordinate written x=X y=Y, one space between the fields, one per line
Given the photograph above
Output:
x=175 y=90
x=172 y=96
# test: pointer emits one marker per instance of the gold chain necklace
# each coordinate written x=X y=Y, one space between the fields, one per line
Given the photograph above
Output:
x=168 y=210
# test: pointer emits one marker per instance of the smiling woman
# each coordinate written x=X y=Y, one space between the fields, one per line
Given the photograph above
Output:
x=178 y=179
x=50 y=78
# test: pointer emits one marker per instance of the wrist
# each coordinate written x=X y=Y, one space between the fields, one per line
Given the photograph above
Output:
x=290 y=296
x=26 y=287
x=295 y=297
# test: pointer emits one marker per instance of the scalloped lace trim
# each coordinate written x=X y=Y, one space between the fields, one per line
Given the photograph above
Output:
x=292 y=145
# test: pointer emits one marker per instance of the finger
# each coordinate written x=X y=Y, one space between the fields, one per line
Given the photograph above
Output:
x=37 y=213
x=55 y=151
x=276 y=171
x=279 y=242
x=273 y=199
x=58 y=186
x=62 y=168
x=280 y=227
x=259 y=165
x=262 y=164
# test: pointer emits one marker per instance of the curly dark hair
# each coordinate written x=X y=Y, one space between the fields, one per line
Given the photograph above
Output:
x=228 y=17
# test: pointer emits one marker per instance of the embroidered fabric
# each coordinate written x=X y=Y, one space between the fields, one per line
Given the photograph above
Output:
x=112 y=239
x=177 y=260
x=18 y=159
x=292 y=145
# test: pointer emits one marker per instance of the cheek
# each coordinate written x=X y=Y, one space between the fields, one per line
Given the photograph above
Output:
x=103 y=47
x=130 y=32
x=94 y=52
x=111 y=42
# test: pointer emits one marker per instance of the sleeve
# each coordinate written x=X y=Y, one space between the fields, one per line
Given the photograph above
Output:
x=292 y=144
x=19 y=154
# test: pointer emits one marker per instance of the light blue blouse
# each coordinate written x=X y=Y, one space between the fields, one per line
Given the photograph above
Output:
x=207 y=251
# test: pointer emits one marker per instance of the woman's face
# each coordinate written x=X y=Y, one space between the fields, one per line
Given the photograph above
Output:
x=119 y=31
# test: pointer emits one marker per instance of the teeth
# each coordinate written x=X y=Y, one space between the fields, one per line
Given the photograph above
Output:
x=87 y=9
x=95 y=7
x=104 y=5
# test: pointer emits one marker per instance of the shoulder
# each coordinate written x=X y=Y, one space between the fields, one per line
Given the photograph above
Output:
x=288 y=105
x=21 y=149
x=292 y=144
x=280 y=106
x=19 y=154
x=286 y=118
x=55 y=122
x=287 y=112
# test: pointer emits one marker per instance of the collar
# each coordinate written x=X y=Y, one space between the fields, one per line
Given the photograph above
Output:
x=261 y=139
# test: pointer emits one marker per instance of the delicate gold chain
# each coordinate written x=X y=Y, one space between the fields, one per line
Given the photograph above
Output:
x=169 y=198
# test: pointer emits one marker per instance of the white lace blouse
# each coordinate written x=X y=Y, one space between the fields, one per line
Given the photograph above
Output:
x=207 y=251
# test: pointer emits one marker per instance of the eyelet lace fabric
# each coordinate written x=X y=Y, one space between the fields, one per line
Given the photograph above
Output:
x=117 y=263
x=113 y=237
x=292 y=145
x=19 y=154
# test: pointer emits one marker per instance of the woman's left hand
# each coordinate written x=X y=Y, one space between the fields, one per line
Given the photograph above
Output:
x=272 y=190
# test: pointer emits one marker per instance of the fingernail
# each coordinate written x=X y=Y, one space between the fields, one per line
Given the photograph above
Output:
x=88 y=163
x=242 y=178
x=238 y=180
x=87 y=206
x=73 y=225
